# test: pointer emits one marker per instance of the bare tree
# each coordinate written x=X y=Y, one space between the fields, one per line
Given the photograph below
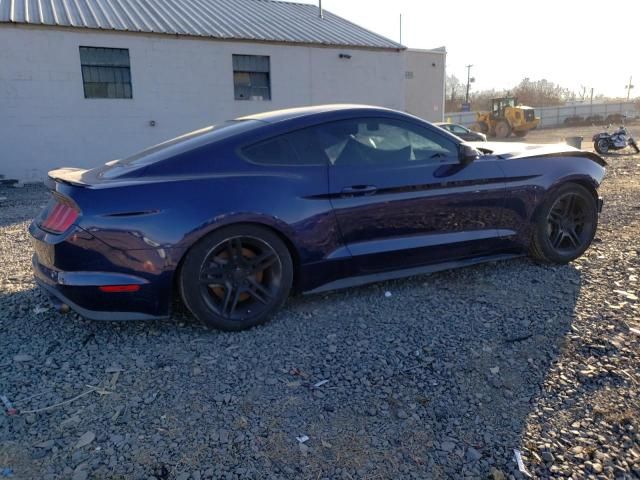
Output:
x=482 y=100
x=540 y=93
x=583 y=93
x=453 y=87
x=534 y=93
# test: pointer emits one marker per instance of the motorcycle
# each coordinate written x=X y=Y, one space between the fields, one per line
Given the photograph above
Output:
x=621 y=138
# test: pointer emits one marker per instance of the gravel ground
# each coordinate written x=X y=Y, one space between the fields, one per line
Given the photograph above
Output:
x=443 y=379
x=553 y=135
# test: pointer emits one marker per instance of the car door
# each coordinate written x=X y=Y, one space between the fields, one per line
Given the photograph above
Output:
x=403 y=198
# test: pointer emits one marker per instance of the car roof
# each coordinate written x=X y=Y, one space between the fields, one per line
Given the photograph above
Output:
x=301 y=112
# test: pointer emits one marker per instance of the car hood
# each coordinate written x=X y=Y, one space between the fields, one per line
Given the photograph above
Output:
x=516 y=150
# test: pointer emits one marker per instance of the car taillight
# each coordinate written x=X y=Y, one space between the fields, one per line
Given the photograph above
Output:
x=60 y=216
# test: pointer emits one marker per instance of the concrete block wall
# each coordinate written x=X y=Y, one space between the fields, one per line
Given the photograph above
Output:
x=425 y=77
x=179 y=83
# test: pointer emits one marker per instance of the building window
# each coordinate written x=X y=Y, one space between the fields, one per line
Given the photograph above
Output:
x=251 y=77
x=105 y=72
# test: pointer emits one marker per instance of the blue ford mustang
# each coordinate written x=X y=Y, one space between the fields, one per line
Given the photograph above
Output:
x=236 y=216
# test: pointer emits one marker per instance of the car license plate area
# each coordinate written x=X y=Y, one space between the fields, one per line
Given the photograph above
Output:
x=45 y=253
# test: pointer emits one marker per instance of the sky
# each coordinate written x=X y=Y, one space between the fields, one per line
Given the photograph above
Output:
x=569 y=42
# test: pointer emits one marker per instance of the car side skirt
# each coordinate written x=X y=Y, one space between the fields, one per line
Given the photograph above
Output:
x=409 y=272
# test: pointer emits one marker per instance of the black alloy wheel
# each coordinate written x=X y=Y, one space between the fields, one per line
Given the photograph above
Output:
x=240 y=277
x=565 y=225
x=235 y=278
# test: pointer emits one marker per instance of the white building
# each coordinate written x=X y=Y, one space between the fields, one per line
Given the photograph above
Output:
x=425 y=83
x=86 y=81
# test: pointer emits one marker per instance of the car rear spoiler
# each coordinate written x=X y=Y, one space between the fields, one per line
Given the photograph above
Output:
x=70 y=176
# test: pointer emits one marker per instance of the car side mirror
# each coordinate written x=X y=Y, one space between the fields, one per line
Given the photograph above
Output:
x=468 y=154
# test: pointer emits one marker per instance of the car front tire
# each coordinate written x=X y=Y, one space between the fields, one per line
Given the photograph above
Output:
x=565 y=225
x=236 y=277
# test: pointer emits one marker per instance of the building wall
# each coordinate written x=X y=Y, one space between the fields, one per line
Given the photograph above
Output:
x=425 y=77
x=180 y=83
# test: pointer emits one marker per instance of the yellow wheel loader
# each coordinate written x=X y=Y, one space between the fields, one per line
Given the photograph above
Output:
x=506 y=117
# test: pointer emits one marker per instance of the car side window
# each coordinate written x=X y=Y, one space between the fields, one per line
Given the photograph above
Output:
x=300 y=147
x=379 y=141
x=458 y=129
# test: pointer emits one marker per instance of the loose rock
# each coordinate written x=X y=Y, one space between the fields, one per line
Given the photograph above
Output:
x=444 y=379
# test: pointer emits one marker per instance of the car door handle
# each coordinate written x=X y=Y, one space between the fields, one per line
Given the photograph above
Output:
x=359 y=190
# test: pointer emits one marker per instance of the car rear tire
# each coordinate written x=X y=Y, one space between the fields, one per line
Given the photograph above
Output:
x=503 y=130
x=565 y=225
x=236 y=277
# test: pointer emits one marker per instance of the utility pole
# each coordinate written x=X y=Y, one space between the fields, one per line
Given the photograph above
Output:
x=591 y=108
x=400 y=29
x=469 y=81
x=629 y=87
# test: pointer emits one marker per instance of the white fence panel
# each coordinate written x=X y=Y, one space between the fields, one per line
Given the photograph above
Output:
x=556 y=116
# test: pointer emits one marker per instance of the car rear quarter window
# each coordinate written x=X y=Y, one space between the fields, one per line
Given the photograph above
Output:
x=177 y=146
x=296 y=148
x=275 y=151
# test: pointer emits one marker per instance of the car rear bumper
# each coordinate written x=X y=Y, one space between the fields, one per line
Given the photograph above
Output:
x=87 y=275
x=59 y=299
x=80 y=292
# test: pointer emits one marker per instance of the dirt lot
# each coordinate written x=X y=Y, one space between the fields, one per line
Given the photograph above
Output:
x=557 y=135
x=442 y=379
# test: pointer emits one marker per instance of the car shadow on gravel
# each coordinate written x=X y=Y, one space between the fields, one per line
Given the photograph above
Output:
x=435 y=378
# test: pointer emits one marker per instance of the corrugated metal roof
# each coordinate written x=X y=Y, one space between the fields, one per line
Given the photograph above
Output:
x=261 y=20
